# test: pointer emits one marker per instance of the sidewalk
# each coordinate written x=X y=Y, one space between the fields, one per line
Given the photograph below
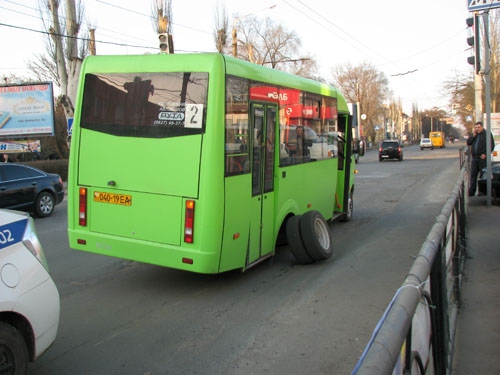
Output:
x=477 y=339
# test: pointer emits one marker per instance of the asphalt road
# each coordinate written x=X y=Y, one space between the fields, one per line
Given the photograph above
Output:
x=121 y=317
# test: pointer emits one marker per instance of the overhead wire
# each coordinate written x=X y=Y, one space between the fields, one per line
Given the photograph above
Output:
x=110 y=34
x=325 y=23
x=72 y=37
x=357 y=45
x=362 y=47
x=341 y=30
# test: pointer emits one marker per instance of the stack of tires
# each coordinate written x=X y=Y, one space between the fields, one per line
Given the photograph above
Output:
x=309 y=237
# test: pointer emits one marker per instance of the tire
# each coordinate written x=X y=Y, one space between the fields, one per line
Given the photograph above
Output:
x=350 y=209
x=13 y=351
x=45 y=204
x=295 y=243
x=316 y=236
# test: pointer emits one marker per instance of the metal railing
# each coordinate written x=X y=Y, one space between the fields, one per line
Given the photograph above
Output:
x=417 y=329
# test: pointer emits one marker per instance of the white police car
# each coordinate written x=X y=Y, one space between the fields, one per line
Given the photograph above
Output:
x=29 y=300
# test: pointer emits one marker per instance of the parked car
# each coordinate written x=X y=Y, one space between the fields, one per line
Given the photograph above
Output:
x=29 y=189
x=29 y=300
x=426 y=143
x=495 y=181
x=390 y=149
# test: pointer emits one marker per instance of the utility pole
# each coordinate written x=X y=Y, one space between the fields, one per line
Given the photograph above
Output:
x=92 y=49
x=478 y=97
x=235 y=41
x=488 y=104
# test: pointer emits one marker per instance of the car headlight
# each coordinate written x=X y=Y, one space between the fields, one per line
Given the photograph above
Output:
x=31 y=241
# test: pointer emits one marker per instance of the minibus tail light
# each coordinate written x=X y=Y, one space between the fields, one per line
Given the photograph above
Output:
x=82 y=208
x=189 y=222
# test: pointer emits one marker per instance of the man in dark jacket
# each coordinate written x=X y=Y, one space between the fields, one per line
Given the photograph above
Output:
x=477 y=141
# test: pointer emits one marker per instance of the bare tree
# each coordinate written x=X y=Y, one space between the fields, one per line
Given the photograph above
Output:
x=62 y=61
x=365 y=85
x=461 y=87
x=264 y=42
x=44 y=68
x=278 y=45
x=462 y=93
x=432 y=120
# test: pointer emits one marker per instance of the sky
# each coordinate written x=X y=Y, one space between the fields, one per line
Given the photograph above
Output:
x=418 y=45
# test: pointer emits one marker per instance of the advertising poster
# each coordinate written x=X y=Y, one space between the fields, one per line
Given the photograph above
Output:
x=26 y=109
x=20 y=146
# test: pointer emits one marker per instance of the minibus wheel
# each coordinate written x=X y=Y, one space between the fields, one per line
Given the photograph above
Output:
x=316 y=235
x=350 y=208
x=295 y=243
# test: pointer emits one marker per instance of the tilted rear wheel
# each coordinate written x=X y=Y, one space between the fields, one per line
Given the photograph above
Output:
x=295 y=243
x=316 y=235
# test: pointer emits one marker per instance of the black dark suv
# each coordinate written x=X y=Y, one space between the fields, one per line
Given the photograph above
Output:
x=390 y=149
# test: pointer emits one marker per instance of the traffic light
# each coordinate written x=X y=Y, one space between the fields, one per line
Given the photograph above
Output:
x=166 y=43
x=474 y=42
x=163 y=37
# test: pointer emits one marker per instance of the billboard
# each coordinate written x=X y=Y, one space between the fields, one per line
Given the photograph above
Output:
x=26 y=109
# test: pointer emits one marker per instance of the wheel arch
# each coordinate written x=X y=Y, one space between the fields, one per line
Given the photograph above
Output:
x=47 y=190
x=288 y=209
